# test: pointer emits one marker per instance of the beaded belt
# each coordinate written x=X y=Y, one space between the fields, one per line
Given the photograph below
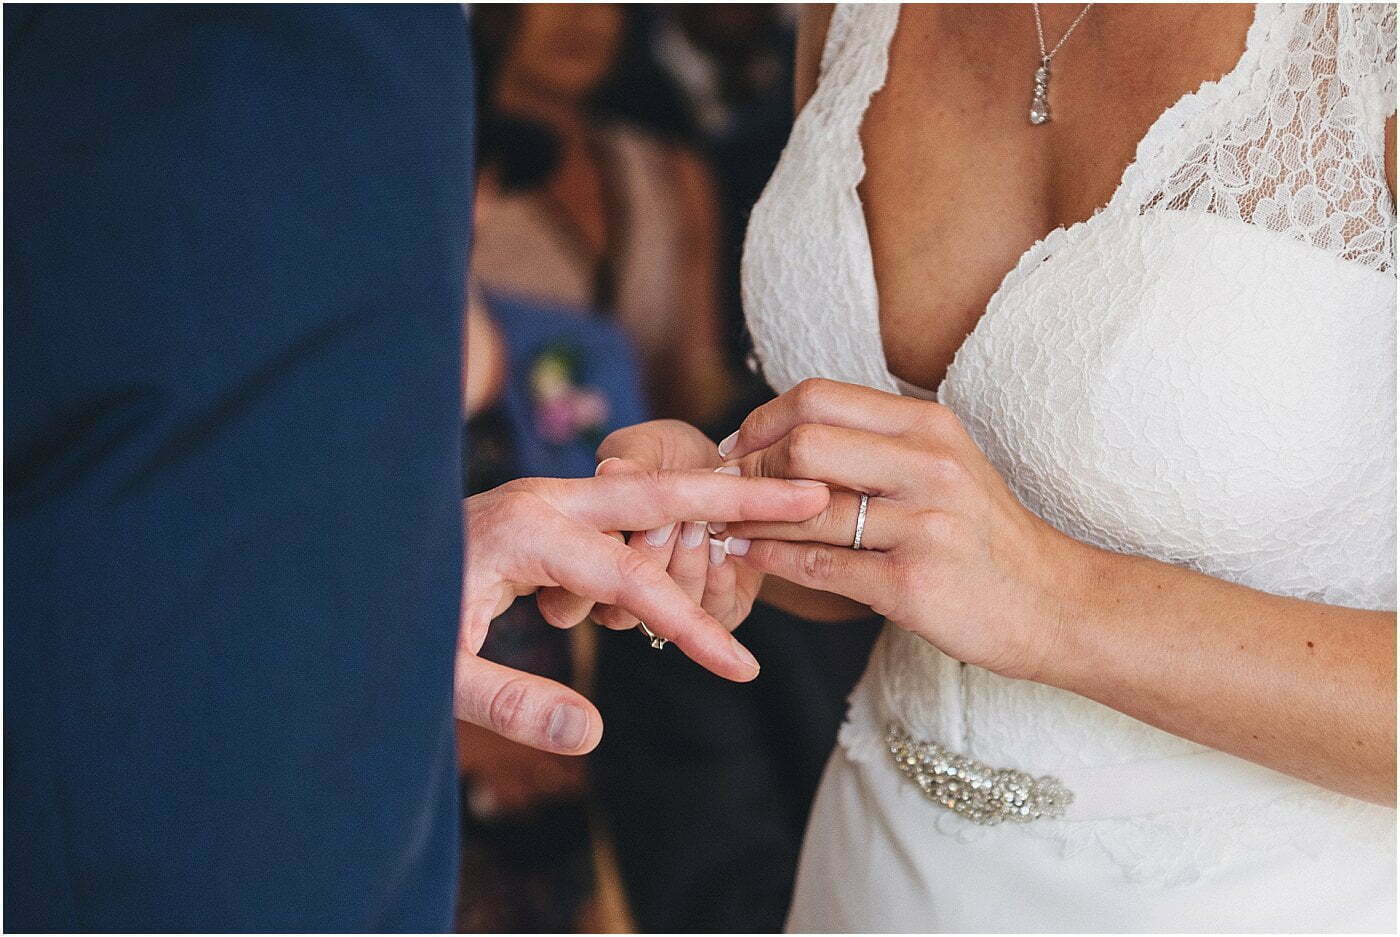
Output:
x=979 y=792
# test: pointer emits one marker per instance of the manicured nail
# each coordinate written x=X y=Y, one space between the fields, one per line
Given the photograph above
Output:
x=716 y=552
x=728 y=470
x=658 y=536
x=692 y=532
x=599 y=469
x=737 y=546
x=567 y=726
x=806 y=483
x=726 y=445
x=716 y=527
x=742 y=655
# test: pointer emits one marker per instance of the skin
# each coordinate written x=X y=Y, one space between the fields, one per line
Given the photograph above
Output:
x=958 y=185
x=541 y=533
x=559 y=55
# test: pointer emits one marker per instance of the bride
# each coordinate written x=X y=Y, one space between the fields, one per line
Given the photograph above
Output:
x=1135 y=550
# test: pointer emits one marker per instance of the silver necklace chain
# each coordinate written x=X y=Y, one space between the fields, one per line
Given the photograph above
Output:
x=1040 y=103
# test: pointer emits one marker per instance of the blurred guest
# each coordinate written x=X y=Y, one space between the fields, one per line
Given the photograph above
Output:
x=731 y=67
x=736 y=785
x=542 y=385
x=619 y=221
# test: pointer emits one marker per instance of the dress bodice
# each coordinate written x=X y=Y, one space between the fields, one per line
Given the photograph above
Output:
x=1201 y=373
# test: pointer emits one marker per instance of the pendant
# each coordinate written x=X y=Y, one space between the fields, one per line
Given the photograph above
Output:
x=1040 y=104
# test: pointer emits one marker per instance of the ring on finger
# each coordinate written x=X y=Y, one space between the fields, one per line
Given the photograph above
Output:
x=656 y=640
x=860 y=520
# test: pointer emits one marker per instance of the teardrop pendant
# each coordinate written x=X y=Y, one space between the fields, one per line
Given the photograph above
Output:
x=1040 y=102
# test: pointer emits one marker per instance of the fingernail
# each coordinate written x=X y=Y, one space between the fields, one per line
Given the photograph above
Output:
x=692 y=532
x=599 y=469
x=728 y=470
x=806 y=483
x=742 y=655
x=716 y=527
x=658 y=536
x=716 y=552
x=736 y=546
x=567 y=726
x=726 y=445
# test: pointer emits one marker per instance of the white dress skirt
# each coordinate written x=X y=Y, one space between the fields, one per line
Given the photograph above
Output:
x=1202 y=373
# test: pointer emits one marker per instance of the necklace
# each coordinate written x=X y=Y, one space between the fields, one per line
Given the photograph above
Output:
x=1040 y=103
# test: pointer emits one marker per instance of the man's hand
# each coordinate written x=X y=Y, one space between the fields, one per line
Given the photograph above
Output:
x=538 y=533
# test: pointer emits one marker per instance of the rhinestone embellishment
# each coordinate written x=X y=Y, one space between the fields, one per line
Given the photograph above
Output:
x=983 y=794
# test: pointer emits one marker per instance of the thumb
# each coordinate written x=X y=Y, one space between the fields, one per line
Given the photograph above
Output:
x=525 y=708
x=616 y=465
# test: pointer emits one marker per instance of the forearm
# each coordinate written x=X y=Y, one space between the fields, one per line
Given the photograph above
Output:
x=1305 y=688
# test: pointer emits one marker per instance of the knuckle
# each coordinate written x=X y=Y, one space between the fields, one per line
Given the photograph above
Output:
x=817 y=562
x=939 y=419
x=517 y=505
x=943 y=468
x=507 y=708
x=635 y=570
x=808 y=395
x=936 y=527
x=803 y=444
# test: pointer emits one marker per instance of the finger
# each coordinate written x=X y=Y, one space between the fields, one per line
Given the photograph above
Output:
x=560 y=607
x=835 y=525
x=849 y=458
x=690 y=560
x=525 y=708
x=650 y=500
x=831 y=402
x=610 y=616
x=660 y=444
x=590 y=564
x=863 y=575
x=721 y=583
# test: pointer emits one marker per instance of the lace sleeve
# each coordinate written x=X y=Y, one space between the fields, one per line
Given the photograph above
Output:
x=1366 y=53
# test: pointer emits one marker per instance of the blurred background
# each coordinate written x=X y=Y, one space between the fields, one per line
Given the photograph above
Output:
x=621 y=148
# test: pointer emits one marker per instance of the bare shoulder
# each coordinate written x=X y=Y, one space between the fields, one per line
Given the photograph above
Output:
x=811 y=39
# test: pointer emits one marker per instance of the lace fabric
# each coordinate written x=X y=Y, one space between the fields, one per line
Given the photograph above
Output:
x=1202 y=372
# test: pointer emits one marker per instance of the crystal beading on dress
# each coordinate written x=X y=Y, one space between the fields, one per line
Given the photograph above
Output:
x=977 y=791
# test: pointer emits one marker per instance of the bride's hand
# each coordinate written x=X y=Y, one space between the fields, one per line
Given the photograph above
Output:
x=948 y=551
x=696 y=561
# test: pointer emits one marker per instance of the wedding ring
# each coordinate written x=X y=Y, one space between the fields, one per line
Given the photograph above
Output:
x=860 y=520
x=656 y=640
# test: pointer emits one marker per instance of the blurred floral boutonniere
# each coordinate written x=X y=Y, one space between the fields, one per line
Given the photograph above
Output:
x=565 y=411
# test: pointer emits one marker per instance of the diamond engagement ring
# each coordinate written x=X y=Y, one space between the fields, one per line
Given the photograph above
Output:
x=656 y=640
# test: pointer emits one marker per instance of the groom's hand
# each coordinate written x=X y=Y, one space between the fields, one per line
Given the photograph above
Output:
x=538 y=532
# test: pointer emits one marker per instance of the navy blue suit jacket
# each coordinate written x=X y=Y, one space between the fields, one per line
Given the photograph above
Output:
x=235 y=245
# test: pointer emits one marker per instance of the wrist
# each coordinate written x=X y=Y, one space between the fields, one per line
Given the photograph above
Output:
x=1086 y=587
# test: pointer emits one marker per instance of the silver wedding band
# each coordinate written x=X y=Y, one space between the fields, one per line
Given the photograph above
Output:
x=860 y=520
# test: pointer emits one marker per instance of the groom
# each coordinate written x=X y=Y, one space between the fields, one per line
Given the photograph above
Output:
x=235 y=243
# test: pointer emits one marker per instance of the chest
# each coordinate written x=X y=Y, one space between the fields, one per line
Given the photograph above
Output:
x=959 y=183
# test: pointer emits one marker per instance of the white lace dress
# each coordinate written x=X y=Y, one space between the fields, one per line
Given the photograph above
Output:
x=1204 y=373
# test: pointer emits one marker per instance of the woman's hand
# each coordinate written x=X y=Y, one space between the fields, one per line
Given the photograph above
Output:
x=948 y=551
x=696 y=561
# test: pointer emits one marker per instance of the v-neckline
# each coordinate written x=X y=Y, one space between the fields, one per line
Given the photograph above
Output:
x=1173 y=117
